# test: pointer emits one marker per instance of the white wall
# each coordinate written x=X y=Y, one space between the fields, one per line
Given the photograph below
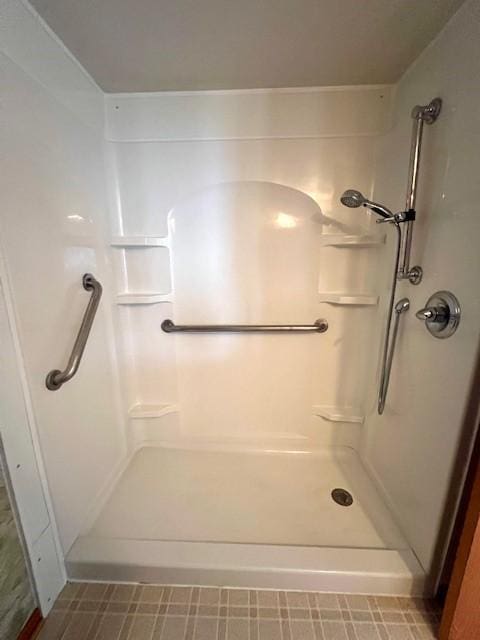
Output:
x=24 y=471
x=52 y=232
x=412 y=448
x=221 y=167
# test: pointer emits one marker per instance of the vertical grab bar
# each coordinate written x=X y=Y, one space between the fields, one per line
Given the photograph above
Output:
x=56 y=378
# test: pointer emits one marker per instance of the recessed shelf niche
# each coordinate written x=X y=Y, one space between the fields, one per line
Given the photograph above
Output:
x=142 y=270
x=141 y=411
x=352 y=241
x=139 y=242
x=348 y=298
x=128 y=298
x=338 y=414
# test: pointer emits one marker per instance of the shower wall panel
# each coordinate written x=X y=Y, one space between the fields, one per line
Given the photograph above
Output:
x=418 y=447
x=52 y=232
x=244 y=186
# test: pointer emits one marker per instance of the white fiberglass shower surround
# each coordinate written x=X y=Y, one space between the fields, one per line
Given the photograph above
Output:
x=211 y=458
x=238 y=439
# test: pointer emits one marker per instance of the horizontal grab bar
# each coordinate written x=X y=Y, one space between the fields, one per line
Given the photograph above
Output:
x=56 y=378
x=319 y=326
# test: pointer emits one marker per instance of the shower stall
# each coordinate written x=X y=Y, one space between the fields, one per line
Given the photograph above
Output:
x=223 y=415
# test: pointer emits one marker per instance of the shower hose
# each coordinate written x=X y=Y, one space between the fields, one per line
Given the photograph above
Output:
x=391 y=336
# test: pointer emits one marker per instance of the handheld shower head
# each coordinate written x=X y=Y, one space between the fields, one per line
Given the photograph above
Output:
x=402 y=306
x=353 y=199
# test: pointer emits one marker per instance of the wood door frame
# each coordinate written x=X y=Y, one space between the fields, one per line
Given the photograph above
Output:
x=32 y=626
x=466 y=550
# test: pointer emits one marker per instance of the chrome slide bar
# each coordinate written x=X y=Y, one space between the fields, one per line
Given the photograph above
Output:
x=421 y=114
x=319 y=326
x=56 y=378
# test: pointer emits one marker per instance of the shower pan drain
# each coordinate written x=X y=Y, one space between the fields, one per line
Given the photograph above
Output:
x=342 y=497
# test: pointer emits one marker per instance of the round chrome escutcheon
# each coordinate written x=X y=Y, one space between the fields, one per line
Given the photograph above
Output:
x=446 y=316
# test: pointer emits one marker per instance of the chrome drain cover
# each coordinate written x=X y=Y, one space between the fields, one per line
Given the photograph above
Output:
x=342 y=497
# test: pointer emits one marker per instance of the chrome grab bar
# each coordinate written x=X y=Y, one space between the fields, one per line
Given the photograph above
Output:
x=56 y=378
x=319 y=326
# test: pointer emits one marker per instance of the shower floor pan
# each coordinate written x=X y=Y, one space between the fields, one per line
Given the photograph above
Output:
x=258 y=519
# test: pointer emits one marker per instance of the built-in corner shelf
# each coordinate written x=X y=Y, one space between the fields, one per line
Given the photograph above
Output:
x=348 y=299
x=353 y=241
x=151 y=410
x=124 y=242
x=338 y=414
x=143 y=298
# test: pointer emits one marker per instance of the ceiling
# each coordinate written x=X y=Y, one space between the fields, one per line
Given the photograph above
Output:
x=157 y=45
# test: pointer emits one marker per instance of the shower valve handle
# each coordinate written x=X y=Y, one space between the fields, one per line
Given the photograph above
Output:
x=433 y=314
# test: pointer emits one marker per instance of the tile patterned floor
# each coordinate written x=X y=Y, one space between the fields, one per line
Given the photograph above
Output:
x=94 y=611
